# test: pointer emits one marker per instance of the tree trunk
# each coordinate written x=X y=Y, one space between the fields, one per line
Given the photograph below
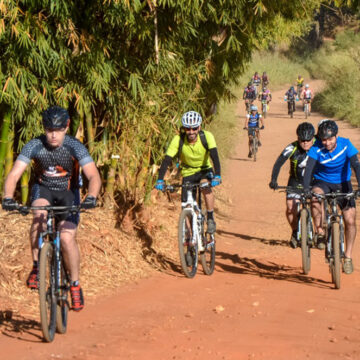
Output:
x=89 y=131
x=4 y=142
x=25 y=186
x=110 y=181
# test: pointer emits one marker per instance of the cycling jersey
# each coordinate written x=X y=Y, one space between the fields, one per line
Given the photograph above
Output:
x=56 y=168
x=300 y=81
x=298 y=158
x=307 y=94
x=265 y=95
x=249 y=93
x=193 y=157
x=333 y=167
x=256 y=80
x=253 y=120
x=291 y=94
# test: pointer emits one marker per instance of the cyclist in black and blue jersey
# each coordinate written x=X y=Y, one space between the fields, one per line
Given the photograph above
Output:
x=57 y=158
x=330 y=161
x=253 y=120
x=296 y=152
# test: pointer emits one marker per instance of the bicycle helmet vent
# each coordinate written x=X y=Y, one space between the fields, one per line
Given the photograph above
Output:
x=305 y=131
x=191 y=119
x=327 y=129
x=55 y=117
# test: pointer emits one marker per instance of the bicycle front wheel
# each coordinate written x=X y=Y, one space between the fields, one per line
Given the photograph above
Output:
x=335 y=265
x=62 y=301
x=48 y=301
x=305 y=249
x=254 y=146
x=207 y=256
x=188 y=252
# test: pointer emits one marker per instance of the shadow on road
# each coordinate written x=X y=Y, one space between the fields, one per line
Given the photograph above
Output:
x=242 y=159
x=266 y=269
x=19 y=327
x=272 y=242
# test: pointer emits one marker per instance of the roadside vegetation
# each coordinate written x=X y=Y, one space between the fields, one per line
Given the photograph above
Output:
x=337 y=62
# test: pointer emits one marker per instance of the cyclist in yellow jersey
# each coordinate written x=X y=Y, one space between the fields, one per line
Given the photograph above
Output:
x=300 y=84
x=194 y=148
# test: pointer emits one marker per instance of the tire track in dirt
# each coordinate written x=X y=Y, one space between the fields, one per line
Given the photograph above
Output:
x=269 y=310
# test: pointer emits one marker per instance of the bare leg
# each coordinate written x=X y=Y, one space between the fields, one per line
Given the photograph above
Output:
x=291 y=212
x=350 y=229
x=70 y=249
x=317 y=211
x=38 y=225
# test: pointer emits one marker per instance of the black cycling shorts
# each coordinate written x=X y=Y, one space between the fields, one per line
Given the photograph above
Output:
x=58 y=198
x=344 y=187
x=195 y=179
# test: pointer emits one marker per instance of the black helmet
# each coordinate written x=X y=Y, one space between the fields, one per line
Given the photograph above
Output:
x=55 y=117
x=305 y=131
x=250 y=83
x=327 y=129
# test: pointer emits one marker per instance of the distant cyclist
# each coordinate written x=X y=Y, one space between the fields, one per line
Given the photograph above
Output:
x=256 y=81
x=265 y=79
x=253 y=120
x=195 y=148
x=265 y=95
x=330 y=161
x=57 y=157
x=290 y=97
x=307 y=96
x=296 y=152
x=300 y=84
x=249 y=95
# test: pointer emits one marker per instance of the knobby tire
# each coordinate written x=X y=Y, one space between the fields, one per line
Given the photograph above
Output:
x=62 y=301
x=254 y=146
x=207 y=256
x=185 y=247
x=48 y=299
x=305 y=249
x=336 y=266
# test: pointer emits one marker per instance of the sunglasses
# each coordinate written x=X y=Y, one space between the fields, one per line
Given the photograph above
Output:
x=305 y=140
x=193 y=129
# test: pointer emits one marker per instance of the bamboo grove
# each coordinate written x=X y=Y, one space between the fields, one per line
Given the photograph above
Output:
x=126 y=70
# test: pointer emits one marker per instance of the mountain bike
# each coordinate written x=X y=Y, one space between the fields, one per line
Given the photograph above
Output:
x=192 y=238
x=252 y=131
x=306 y=108
x=248 y=103
x=291 y=107
x=299 y=89
x=54 y=281
x=264 y=108
x=334 y=232
x=305 y=232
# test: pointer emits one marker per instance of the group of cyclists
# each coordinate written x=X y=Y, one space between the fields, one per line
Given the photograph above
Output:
x=254 y=120
x=320 y=163
x=302 y=92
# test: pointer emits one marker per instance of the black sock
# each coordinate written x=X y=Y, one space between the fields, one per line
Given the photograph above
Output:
x=35 y=264
x=210 y=215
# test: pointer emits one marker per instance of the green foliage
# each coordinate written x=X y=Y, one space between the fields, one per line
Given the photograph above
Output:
x=338 y=64
x=99 y=56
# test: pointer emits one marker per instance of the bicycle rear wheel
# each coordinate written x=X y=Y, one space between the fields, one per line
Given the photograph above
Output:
x=62 y=301
x=207 y=256
x=335 y=265
x=188 y=252
x=305 y=249
x=264 y=110
x=48 y=301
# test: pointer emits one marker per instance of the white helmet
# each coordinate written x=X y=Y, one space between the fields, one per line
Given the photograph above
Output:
x=307 y=86
x=191 y=119
x=253 y=108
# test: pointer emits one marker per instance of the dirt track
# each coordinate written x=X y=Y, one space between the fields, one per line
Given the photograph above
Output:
x=256 y=305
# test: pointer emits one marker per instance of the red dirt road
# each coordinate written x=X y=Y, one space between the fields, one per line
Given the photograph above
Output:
x=256 y=305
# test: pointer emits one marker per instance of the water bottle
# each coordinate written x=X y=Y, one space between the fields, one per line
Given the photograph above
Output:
x=285 y=98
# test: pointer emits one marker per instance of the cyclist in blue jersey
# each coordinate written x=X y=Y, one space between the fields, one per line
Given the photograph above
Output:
x=56 y=158
x=330 y=161
x=253 y=120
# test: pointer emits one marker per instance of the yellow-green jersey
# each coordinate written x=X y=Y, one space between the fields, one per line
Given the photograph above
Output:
x=193 y=157
x=300 y=81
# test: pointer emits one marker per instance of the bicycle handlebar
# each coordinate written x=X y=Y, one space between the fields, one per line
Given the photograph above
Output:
x=189 y=186
x=25 y=210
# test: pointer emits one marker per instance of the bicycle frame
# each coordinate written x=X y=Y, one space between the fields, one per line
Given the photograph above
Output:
x=197 y=217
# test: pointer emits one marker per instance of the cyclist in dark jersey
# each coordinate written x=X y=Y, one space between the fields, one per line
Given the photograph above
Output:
x=57 y=158
x=296 y=152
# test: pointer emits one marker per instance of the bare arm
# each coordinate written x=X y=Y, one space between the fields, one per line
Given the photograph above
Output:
x=13 y=177
x=92 y=174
